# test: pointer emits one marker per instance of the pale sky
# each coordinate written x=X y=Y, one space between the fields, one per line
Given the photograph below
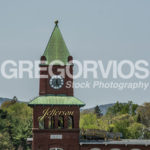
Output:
x=92 y=29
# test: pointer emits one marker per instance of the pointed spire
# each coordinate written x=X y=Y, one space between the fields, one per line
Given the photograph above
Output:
x=56 y=22
x=56 y=48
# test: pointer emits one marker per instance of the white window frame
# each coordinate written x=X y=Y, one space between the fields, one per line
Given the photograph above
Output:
x=56 y=148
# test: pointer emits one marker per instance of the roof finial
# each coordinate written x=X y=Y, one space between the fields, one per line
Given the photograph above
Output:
x=56 y=22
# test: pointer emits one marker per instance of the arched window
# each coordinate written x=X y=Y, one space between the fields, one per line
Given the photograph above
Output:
x=41 y=123
x=51 y=123
x=70 y=122
x=61 y=122
x=55 y=149
x=95 y=149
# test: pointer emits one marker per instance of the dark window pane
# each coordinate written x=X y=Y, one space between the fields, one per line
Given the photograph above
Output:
x=51 y=124
x=41 y=123
x=60 y=122
x=70 y=122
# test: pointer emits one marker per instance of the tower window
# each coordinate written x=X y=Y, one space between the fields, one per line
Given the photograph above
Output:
x=61 y=122
x=41 y=123
x=51 y=123
x=70 y=122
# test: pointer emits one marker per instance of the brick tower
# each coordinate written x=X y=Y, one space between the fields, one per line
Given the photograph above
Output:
x=56 y=112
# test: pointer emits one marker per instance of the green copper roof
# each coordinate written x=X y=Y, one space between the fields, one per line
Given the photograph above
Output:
x=56 y=100
x=56 y=48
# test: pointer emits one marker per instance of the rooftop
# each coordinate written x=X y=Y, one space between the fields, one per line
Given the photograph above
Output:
x=56 y=48
x=56 y=100
x=121 y=142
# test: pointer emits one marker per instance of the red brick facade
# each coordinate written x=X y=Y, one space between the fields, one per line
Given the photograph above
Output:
x=44 y=82
x=41 y=137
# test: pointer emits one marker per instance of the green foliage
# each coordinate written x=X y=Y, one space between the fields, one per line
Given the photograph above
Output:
x=88 y=121
x=5 y=142
x=143 y=113
x=120 y=108
x=16 y=123
x=121 y=126
x=129 y=119
x=135 y=130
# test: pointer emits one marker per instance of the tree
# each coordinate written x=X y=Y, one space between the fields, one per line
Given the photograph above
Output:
x=16 y=121
x=5 y=142
x=122 y=127
x=143 y=113
x=135 y=130
x=115 y=109
x=120 y=108
x=15 y=99
x=88 y=121
x=97 y=111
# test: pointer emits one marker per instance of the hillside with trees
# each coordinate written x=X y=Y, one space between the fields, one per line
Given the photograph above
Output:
x=131 y=120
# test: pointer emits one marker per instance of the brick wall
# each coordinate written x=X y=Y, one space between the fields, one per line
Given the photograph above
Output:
x=70 y=137
x=45 y=88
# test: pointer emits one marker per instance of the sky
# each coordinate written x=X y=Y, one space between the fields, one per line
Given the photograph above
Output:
x=92 y=29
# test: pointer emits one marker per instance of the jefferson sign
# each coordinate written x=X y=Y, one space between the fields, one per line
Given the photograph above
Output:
x=47 y=113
